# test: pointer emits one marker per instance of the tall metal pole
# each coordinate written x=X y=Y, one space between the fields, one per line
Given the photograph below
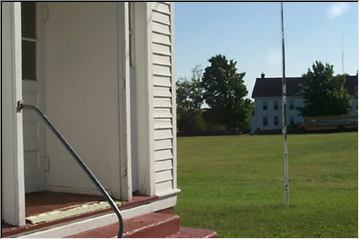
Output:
x=342 y=54
x=284 y=115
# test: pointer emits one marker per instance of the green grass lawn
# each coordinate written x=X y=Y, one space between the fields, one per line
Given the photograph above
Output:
x=234 y=185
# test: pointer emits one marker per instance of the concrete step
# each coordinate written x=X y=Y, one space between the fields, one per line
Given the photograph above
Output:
x=153 y=225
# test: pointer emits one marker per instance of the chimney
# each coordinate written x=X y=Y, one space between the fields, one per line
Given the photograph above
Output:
x=262 y=75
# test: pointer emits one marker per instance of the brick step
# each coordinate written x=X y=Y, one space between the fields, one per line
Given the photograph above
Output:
x=188 y=232
x=153 y=225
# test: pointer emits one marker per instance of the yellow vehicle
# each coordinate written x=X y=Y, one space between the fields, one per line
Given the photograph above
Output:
x=329 y=123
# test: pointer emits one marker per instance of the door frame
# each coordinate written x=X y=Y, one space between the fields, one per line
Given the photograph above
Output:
x=120 y=185
x=122 y=171
x=12 y=158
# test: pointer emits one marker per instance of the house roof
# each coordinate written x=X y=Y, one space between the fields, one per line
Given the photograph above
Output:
x=271 y=87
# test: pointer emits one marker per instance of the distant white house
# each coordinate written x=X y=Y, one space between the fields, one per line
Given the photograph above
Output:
x=267 y=101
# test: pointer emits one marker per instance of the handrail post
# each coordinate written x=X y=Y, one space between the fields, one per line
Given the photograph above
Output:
x=21 y=105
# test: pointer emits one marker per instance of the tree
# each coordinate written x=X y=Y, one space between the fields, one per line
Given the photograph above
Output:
x=224 y=93
x=189 y=101
x=189 y=93
x=323 y=93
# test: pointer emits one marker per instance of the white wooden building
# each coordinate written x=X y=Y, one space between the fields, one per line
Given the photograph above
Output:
x=267 y=97
x=104 y=73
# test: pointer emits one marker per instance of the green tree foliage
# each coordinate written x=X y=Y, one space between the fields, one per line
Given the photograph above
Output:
x=224 y=93
x=324 y=93
x=189 y=93
x=189 y=100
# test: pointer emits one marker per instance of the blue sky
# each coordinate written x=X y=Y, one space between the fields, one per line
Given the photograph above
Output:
x=250 y=34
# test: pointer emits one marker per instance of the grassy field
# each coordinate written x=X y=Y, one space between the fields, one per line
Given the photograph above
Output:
x=234 y=185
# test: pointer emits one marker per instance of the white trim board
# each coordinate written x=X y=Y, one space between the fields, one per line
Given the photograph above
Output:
x=124 y=168
x=144 y=97
x=12 y=157
x=173 y=92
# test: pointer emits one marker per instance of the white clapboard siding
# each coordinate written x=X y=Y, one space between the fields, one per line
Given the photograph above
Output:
x=163 y=176
x=164 y=81
x=163 y=144
x=161 y=38
x=160 y=102
x=161 y=7
x=162 y=70
x=162 y=113
x=163 y=165
x=162 y=92
x=163 y=154
x=161 y=18
x=161 y=28
x=163 y=97
x=163 y=187
x=162 y=60
x=162 y=123
x=161 y=49
x=163 y=134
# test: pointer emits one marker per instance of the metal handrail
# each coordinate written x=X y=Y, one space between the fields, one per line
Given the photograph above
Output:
x=21 y=105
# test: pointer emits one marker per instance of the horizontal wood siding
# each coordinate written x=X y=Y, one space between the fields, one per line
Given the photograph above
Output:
x=163 y=187
x=162 y=7
x=162 y=102
x=161 y=38
x=163 y=176
x=164 y=81
x=163 y=134
x=162 y=92
x=162 y=113
x=161 y=18
x=163 y=154
x=162 y=47
x=163 y=165
x=163 y=144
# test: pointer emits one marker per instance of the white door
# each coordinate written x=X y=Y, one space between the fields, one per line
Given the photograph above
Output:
x=34 y=132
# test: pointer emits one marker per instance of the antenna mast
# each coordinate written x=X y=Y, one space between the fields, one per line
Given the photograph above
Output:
x=284 y=115
x=342 y=54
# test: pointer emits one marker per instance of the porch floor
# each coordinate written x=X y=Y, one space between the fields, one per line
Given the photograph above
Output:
x=41 y=202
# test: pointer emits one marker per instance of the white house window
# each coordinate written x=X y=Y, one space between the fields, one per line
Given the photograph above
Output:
x=276 y=120
x=291 y=105
x=276 y=105
x=29 y=40
x=265 y=121
x=292 y=120
x=265 y=105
